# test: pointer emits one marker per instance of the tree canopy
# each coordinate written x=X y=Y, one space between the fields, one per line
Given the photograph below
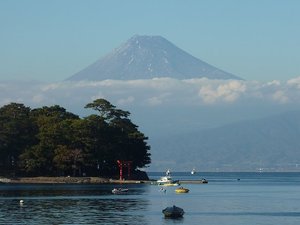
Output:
x=50 y=141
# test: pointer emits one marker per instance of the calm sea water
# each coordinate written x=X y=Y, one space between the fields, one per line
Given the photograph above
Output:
x=228 y=199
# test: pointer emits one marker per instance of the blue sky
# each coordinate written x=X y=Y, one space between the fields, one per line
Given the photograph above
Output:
x=51 y=40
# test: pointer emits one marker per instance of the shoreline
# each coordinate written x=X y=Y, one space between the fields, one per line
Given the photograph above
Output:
x=84 y=180
x=68 y=180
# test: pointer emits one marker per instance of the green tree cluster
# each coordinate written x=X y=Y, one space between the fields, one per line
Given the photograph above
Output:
x=50 y=141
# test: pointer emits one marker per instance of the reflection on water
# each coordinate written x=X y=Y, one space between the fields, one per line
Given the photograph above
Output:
x=71 y=211
x=39 y=190
x=70 y=204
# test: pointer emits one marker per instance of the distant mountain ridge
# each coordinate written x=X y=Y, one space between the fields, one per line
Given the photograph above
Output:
x=267 y=144
x=146 y=57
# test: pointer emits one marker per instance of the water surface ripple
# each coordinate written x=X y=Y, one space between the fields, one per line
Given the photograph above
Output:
x=228 y=199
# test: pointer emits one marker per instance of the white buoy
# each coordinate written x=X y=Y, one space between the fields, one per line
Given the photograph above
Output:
x=21 y=201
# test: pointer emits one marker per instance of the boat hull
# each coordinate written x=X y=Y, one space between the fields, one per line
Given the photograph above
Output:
x=182 y=190
x=173 y=212
x=119 y=191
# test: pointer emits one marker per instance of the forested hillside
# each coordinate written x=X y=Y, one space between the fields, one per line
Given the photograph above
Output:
x=50 y=141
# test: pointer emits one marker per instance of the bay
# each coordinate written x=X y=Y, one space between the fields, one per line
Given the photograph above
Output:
x=227 y=199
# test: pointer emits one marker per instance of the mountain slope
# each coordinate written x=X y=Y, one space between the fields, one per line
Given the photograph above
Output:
x=270 y=143
x=145 y=57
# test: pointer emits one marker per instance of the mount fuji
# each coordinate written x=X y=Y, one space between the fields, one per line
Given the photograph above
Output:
x=146 y=57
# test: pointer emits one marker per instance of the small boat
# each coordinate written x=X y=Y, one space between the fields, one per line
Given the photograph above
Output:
x=173 y=212
x=193 y=171
x=119 y=190
x=204 y=181
x=165 y=179
x=181 y=190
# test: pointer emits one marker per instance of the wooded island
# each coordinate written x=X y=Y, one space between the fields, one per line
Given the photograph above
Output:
x=50 y=141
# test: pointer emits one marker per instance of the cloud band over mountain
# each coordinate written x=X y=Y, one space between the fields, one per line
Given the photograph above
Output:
x=152 y=92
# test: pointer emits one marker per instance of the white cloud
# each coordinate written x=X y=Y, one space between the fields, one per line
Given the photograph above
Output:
x=274 y=83
x=227 y=92
x=280 y=96
x=152 y=92
x=294 y=82
x=208 y=94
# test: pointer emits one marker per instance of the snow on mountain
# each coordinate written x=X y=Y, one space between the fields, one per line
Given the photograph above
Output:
x=146 y=57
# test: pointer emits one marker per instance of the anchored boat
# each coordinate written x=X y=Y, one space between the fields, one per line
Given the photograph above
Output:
x=173 y=212
x=181 y=190
x=119 y=190
x=167 y=180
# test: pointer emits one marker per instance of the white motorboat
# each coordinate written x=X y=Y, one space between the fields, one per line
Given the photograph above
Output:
x=119 y=190
x=165 y=179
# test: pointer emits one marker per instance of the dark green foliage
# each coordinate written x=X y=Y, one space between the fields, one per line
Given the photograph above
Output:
x=16 y=134
x=50 y=141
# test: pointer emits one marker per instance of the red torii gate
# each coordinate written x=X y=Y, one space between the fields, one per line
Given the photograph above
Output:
x=121 y=164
